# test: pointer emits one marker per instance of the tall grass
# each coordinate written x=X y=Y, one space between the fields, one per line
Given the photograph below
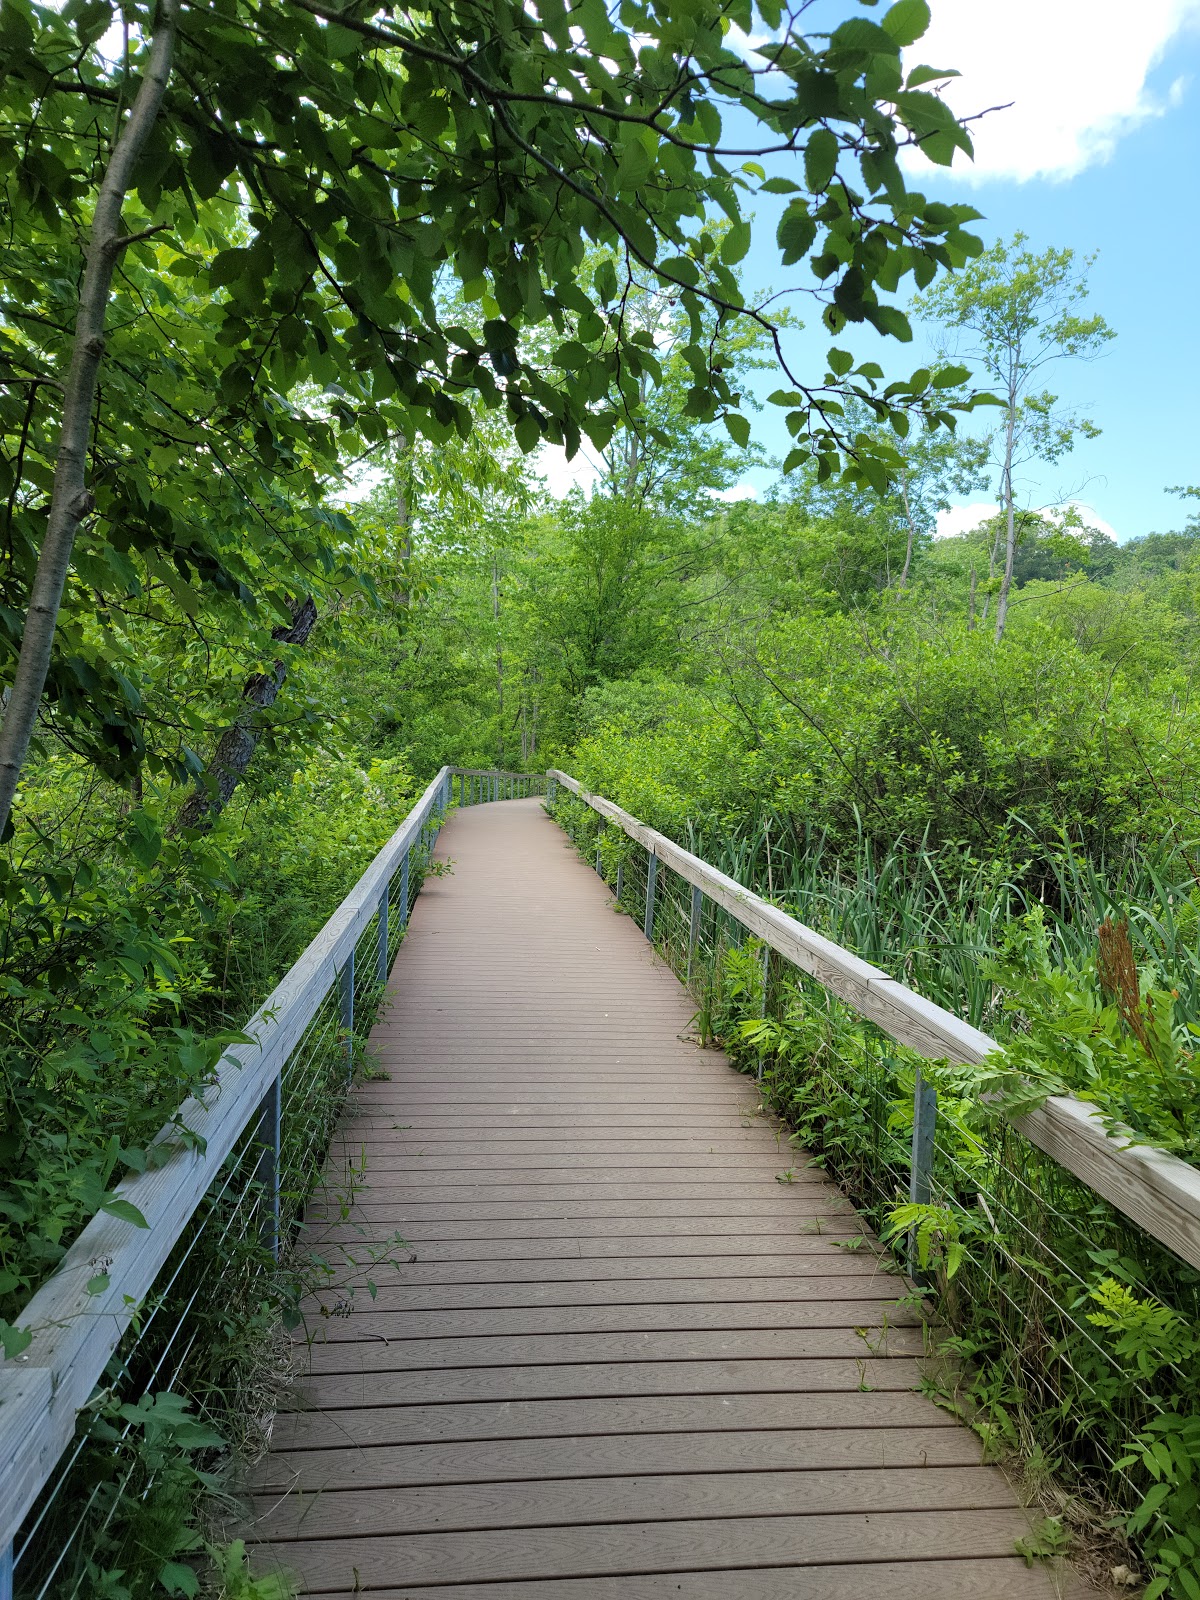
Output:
x=935 y=921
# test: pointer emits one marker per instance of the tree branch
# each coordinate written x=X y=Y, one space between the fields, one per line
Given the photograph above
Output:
x=71 y=500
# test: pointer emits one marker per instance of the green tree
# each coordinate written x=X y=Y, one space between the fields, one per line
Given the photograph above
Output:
x=859 y=540
x=1014 y=312
x=307 y=174
x=662 y=451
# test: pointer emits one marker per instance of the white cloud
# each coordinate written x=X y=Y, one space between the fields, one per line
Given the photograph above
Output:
x=1075 y=72
x=562 y=475
x=736 y=491
x=961 y=519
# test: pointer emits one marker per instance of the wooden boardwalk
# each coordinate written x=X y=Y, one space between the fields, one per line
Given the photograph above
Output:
x=624 y=1362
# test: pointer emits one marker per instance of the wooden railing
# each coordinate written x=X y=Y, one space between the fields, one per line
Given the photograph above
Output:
x=80 y=1315
x=1156 y=1190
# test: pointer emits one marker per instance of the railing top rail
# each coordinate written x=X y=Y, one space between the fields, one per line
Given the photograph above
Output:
x=1154 y=1189
x=493 y=772
x=75 y=1331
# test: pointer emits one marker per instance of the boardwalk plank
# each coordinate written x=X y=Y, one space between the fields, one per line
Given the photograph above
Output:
x=850 y=1297
x=377 y=1353
x=591 y=1379
x=519 y=1555
x=365 y=1426
x=619 y=1455
x=371 y=1321
x=668 y=1497
x=989 y=1579
x=607 y=1354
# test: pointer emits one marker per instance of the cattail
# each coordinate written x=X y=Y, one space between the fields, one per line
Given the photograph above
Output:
x=1118 y=974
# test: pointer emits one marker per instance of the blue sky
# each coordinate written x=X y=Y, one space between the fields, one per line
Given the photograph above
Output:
x=1100 y=151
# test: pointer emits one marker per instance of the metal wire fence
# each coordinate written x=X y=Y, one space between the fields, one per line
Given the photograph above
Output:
x=1060 y=1324
x=192 y=1376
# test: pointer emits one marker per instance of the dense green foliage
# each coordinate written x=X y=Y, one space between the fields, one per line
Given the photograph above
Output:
x=368 y=263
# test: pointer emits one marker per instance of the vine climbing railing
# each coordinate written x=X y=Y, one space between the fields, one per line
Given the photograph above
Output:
x=126 y=1315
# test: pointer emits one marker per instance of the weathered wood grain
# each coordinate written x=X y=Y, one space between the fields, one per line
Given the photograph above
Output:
x=717 y=1543
x=655 y=1497
x=657 y=1316
x=1001 y=1578
x=368 y=1426
x=794 y=1450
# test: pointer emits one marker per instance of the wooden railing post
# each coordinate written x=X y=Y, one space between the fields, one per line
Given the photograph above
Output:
x=382 y=935
x=694 y=928
x=270 y=1126
x=651 y=881
x=920 y=1182
x=404 y=891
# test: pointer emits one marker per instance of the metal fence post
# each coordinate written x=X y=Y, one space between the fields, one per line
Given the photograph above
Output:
x=620 y=881
x=382 y=925
x=920 y=1183
x=651 y=880
x=694 y=927
x=346 y=1002
x=270 y=1123
x=404 y=891
x=551 y=790
x=462 y=788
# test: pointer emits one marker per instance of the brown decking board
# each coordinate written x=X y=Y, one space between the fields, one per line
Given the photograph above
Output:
x=624 y=1362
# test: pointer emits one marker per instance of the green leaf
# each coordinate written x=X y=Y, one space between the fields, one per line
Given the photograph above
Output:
x=633 y=166
x=735 y=244
x=13 y=1340
x=840 y=361
x=738 y=428
x=906 y=21
x=796 y=232
x=124 y=1210
x=920 y=75
x=820 y=159
x=178 y=1579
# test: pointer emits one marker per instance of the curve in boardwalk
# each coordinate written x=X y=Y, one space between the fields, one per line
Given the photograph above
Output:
x=619 y=1358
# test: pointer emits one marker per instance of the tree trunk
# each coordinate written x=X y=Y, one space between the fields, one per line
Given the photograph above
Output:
x=236 y=746
x=1010 y=531
x=70 y=499
x=971 y=613
x=499 y=662
x=908 y=521
x=404 y=478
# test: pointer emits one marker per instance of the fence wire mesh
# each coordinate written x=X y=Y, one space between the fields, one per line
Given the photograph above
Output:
x=205 y=1358
x=1056 y=1320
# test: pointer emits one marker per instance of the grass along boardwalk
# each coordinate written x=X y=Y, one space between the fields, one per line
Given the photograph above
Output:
x=620 y=1359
